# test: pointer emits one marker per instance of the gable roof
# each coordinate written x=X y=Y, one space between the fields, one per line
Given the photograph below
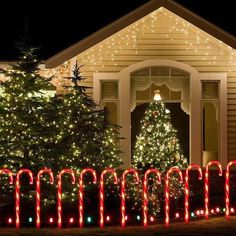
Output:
x=130 y=18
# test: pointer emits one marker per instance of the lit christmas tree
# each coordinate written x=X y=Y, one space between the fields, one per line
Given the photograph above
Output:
x=90 y=139
x=157 y=146
x=26 y=128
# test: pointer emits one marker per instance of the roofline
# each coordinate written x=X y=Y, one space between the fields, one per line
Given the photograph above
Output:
x=132 y=17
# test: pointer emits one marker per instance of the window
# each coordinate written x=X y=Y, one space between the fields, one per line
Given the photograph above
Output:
x=109 y=99
x=210 y=121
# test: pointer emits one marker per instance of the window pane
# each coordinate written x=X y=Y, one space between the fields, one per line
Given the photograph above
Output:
x=110 y=90
x=210 y=130
x=179 y=86
x=143 y=95
x=210 y=90
x=112 y=111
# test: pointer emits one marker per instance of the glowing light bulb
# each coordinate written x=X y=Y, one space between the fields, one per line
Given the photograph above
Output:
x=51 y=220
x=71 y=220
x=138 y=217
x=177 y=215
x=89 y=219
x=152 y=219
x=157 y=96
x=30 y=220
x=9 y=221
x=108 y=218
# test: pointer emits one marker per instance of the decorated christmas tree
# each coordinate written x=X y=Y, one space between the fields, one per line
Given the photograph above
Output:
x=27 y=128
x=89 y=139
x=157 y=146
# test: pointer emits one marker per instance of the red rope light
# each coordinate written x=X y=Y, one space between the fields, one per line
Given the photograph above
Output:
x=38 y=193
x=17 y=192
x=227 y=189
x=123 y=181
x=81 y=192
x=167 y=190
x=211 y=163
x=101 y=192
x=186 y=188
x=145 y=192
x=59 y=193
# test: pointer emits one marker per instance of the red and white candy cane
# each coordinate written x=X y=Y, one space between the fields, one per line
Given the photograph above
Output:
x=145 y=191
x=101 y=192
x=81 y=192
x=227 y=189
x=38 y=192
x=9 y=172
x=17 y=192
x=167 y=190
x=59 y=193
x=123 y=181
x=211 y=163
x=186 y=188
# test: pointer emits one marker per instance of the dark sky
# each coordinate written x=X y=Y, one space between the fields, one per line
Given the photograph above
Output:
x=56 y=24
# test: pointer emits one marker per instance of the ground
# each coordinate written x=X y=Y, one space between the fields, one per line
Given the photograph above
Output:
x=213 y=226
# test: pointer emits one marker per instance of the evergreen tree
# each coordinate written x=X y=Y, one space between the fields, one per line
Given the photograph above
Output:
x=157 y=146
x=26 y=128
x=90 y=140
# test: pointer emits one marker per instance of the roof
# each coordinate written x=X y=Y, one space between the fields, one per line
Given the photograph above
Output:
x=132 y=17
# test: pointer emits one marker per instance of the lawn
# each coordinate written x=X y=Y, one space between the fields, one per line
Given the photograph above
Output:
x=214 y=226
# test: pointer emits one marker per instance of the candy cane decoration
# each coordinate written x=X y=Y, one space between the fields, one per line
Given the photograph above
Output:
x=10 y=173
x=38 y=192
x=207 y=184
x=145 y=191
x=59 y=193
x=101 y=192
x=17 y=192
x=186 y=188
x=81 y=192
x=227 y=189
x=123 y=181
x=167 y=190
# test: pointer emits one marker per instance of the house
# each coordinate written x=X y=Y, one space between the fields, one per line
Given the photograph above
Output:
x=161 y=46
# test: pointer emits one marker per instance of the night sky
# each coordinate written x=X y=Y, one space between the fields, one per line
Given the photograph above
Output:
x=55 y=25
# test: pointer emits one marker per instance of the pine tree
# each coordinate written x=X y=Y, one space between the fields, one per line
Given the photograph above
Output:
x=26 y=128
x=90 y=139
x=157 y=146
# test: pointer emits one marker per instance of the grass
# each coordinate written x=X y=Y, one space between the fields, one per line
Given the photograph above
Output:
x=214 y=226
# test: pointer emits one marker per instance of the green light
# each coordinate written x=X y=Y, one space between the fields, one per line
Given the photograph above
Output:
x=224 y=209
x=192 y=214
x=30 y=219
x=89 y=219
x=138 y=217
